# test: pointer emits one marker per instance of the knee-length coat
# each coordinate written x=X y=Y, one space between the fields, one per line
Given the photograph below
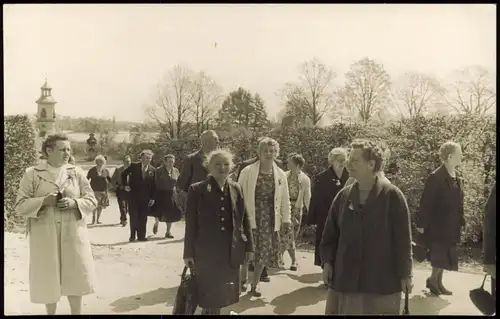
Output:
x=70 y=272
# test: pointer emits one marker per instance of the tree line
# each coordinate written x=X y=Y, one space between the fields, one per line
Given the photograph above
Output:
x=188 y=102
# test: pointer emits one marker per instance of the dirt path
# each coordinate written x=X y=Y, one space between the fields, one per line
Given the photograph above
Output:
x=142 y=278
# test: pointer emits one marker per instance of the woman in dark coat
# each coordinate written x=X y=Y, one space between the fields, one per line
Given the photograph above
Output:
x=218 y=237
x=166 y=208
x=441 y=216
x=326 y=186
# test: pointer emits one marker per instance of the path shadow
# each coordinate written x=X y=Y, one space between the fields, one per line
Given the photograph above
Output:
x=150 y=298
x=180 y=240
x=427 y=305
x=90 y=226
x=306 y=296
x=244 y=304
x=307 y=278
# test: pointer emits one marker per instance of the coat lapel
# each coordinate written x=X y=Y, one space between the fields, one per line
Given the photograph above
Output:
x=372 y=197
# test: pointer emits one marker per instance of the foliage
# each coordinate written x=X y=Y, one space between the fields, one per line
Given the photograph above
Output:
x=19 y=154
x=311 y=97
x=366 y=90
x=92 y=124
x=241 y=109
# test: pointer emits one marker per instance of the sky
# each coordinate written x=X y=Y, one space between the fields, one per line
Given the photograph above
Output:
x=106 y=60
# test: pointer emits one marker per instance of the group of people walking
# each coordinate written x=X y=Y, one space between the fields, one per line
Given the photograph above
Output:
x=247 y=217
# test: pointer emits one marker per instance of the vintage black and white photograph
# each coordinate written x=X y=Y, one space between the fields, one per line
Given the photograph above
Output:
x=250 y=159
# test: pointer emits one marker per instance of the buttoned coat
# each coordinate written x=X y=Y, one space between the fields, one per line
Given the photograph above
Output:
x=248 y=181
x=201 y=221
x=326 y=186
x=217 y=237
x=193 y=170
x=73 y=272
x=441 y=212
x=370 y=247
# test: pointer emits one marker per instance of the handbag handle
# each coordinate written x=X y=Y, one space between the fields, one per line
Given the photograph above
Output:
x=484 y=280
x=184 y=271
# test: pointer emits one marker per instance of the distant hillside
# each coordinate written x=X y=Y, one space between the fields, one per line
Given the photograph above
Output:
x=92 y=124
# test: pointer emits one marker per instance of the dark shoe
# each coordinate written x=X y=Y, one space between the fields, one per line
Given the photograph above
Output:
x=432 y=288
x=293 y=267
x=168 y=235
x=131 y=239
x=265 y=278
x=255 y=291
x=155 y=229
x=244 y=286
x=444 y=291
x=142 y=239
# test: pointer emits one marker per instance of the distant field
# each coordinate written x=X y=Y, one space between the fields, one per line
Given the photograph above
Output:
x=121 y=136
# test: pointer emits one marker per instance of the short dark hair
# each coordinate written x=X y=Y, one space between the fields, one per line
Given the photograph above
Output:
x=51 y=140
x=169 y=156
x=297 y=159
x=371 y=152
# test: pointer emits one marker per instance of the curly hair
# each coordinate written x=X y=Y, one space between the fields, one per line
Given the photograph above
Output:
x=222 y=152
x=51 y=140
x=267 y=141
x=371 y=152
x=447 y=149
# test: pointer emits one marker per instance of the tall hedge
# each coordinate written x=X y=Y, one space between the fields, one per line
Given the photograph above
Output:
x=414 y=144
x=19 y=154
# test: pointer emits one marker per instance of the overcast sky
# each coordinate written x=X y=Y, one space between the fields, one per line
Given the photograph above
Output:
x=105 y=60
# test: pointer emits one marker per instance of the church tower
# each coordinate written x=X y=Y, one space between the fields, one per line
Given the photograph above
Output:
x=46 y=115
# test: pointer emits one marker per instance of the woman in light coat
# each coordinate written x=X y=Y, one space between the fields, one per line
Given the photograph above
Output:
x=55 y=197
x=299 y=188
x=265 y=190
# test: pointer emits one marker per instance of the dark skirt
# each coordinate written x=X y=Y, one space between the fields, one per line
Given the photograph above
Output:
x=166 y=207
x=443 y=256
x=218 y=282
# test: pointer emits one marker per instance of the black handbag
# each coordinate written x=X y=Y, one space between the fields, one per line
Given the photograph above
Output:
x=186 y=300
x=483 y=300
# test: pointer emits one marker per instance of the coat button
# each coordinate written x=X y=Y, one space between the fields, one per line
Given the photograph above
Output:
x=222 y=228
x=222 y=209
x=222 y=198
x=222 y=219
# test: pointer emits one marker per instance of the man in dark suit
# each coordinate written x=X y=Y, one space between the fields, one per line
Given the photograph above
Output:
x=139 y=180
x=193 y=170
x=490 y=238
x=264 y=277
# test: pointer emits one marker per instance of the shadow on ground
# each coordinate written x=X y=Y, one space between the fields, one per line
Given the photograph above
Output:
x=307 y=278
x=286 y=304
x=102 y=225
x=427 y=305
x=244 y=304
x=150 y=298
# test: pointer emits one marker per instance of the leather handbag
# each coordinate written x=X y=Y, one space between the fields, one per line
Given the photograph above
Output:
x=186 y=300
x=483 y=300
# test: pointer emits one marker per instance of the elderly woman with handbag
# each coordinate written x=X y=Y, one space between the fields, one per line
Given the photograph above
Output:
x=265 y=189
x=218 y=238
x=99 y=178
x=299 y=188
x=55 y=197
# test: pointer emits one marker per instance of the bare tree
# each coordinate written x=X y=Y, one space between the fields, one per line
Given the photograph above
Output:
x=313 y=92
x=366 y=90
x=474 y=92
x=173 y=106
x=416 y=93
x=207 y=96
